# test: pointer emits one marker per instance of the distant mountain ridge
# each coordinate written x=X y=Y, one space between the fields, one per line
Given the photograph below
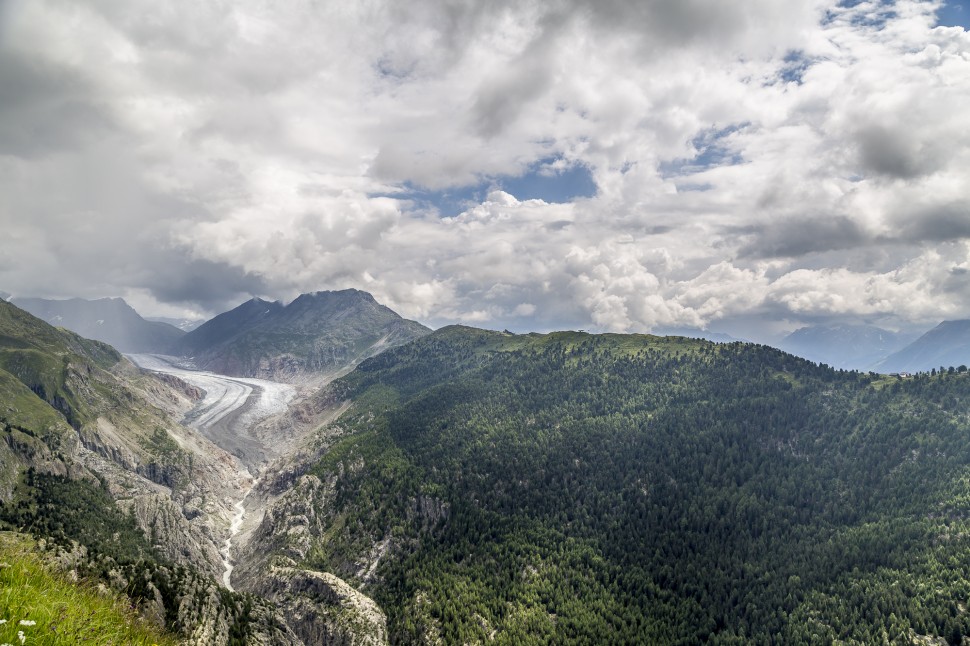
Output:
x=222 y=328
x=852 y=347
x=320 y=333
x=946 y=345
x=110 y=320
x=698 y=333
x=186 y=325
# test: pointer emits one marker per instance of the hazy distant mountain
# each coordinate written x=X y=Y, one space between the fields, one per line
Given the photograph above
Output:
x=221 y=330
x=318 y=333
x=186 y=325
x=697 y=333
x=110 y=320
x=853 y=347
x=4 y=296
x=948 y=344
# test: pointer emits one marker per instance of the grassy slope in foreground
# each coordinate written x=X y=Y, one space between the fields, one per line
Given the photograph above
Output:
x=50 y=608
x=569 y=488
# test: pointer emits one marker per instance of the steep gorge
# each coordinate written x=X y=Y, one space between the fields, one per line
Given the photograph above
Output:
x=253 y=419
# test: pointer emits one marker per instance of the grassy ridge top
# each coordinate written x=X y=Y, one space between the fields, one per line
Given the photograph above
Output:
x=21 y=331
x=567 y=339
x=48 y=607
x=459 y=351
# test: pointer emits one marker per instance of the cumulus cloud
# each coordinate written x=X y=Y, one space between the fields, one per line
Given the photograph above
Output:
x=790 y=160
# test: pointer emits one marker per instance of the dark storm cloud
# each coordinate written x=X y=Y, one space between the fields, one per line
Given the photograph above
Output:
x=46 y=107
x=210 y=286
x=671 y=22
x=894 y=152
x=502 y=98
x=794 y=237
x=940 y=224
x=652 y=25
x=957 y=283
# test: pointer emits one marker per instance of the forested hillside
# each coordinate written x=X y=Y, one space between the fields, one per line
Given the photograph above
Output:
x=569 y=488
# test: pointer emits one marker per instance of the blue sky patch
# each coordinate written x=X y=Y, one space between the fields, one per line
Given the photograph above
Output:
x=711 y=152
x=955 y=13
x=549 y=185
x=877 y=18
x=795 y=64
x=540 y=182
x=449 y=201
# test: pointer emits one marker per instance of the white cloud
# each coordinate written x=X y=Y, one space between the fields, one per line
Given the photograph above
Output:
x=920 y=290
x=192 y=154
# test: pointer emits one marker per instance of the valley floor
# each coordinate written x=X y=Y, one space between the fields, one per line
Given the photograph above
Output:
x=228 y=415
x=232 y=408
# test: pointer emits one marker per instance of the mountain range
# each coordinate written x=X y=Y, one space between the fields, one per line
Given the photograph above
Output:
x=92 y=451
x=471 y=486
x=946 y=345
x=322 y=333
x=110 y=320
x=852 y=347
x=865 y=348
x=186 y=325
x=316 y=336
x=94 y=462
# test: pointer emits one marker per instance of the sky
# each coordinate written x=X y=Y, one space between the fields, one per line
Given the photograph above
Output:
x=610 y=165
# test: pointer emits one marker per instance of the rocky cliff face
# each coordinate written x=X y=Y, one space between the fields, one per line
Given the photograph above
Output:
x=323 y=609
x=293 y=510
x=179 y=486
x=22 y=449
x=201 y=612
x=287 y=529
x=74 y=408
x=319 y=606
x=181 y=533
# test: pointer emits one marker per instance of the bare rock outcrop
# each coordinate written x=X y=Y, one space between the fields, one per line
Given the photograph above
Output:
x=323 y=609
x=174 y=535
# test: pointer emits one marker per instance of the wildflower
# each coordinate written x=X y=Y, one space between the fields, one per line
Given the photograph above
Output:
x=2 y=622
x=21 y=636
x=28 y=622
